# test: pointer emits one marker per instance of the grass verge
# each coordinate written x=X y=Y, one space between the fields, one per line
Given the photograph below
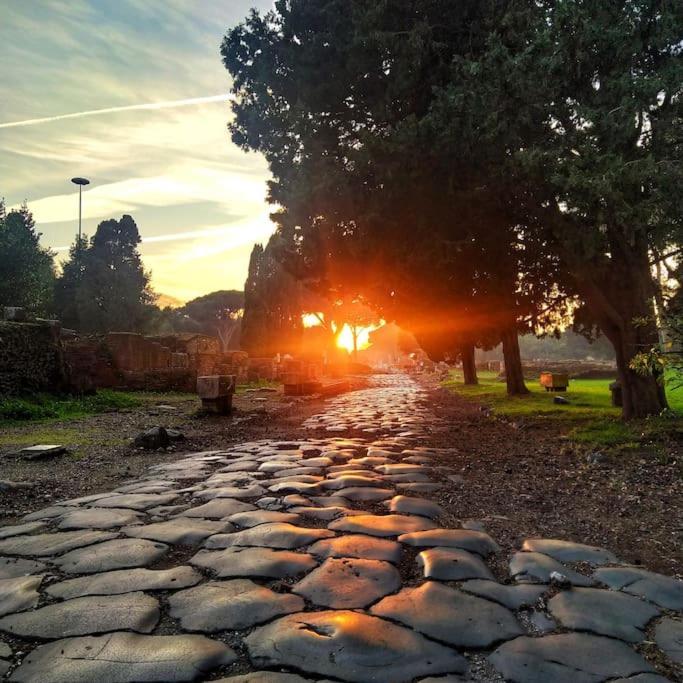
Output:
x=588 y=418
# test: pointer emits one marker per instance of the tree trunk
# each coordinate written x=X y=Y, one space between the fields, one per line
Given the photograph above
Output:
x=469 y=368
x=514 y=375
x=623 y=308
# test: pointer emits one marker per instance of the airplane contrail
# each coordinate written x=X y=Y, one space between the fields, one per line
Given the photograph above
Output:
x=110 y=110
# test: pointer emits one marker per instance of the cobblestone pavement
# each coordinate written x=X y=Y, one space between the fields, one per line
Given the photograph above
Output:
x=320 y=559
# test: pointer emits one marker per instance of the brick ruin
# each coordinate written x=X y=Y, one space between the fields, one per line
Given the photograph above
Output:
x=38 y=355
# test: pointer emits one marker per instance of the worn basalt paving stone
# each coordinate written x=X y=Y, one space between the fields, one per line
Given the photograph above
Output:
x=512 y=597
x=607 y=613
x=669 y=638
x=18 y=529
x=326 y=514
x=11 y=567
x=450 y=615
x=358 y=545
x=98 y=518
x=351 y=646
x=364 y=494
x=408 y=505
x=347 y=583
x=262 y=562
x=178 y=531
x=45 y=545
x=537 y=568
x=218 y=509
x=274 y=535
x=119 y=657
x=252 y=519
x=234 y=492
x=642 y=678
x=474 y=541
x=88 y=615
x=117 y=554
x=567 y=658
x=566 y=551
x=19 y=593
x=382 y=525
x=237 y=604
x=135 y=501
x=346 y=481
x=125 y=581
x=46 y=513
x=265 y=677
x=452 y=564
x=662 y=590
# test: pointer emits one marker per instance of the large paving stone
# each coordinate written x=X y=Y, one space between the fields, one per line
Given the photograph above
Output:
x=513 y=597
x=351 y=646
x=662 y=590
x=125 y=581
x=119 y=657
x=237 y=604
x=117 y=554
x=365 y=494
x=642 y=678
x=382 y=525
x=408 y=505
x=537 y=568
x=178 y=531
x=274 y=535
x=351 y=481
x=669 y=638
x=264 y=562
x=98 y=518
x=474 y=541
x=348 y=583
x=45 y=545
x=452 y=564
x=450 y=615
x=358 y=545
x=251 y=519
x=19 y=593
x=265 y=677
x=326 y=514
x=566 y=551
x=218 y=508
x=236 y=492
x=607 y=613
x=89 y=615
x=18 y=529
x=567 y=658
x=11 y=567
x=135 y=501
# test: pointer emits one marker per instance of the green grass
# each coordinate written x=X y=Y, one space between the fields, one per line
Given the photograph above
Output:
x=258 y=384
x=40 y=407
x=589 y=418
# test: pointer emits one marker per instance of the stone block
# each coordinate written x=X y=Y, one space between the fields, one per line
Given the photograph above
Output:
x=215 y=386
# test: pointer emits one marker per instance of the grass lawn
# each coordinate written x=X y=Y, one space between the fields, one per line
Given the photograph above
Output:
x=589 y=417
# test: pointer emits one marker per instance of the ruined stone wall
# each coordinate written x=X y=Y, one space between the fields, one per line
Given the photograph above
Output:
x=30 y=357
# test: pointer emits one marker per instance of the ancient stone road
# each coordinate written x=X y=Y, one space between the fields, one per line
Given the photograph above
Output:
x=321 y=559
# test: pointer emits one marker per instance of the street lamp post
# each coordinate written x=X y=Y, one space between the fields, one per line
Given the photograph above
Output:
x=80 y=182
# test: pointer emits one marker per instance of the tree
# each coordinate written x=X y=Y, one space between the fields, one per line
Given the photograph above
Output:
x=272 y=304
x=426 y=105
x=218 y=313
x=103 y=286
x=26 y=269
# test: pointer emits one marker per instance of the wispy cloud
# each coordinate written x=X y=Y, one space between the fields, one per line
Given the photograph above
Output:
x=170 y=104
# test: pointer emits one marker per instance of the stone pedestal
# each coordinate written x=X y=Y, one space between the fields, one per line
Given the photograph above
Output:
x=216 y=392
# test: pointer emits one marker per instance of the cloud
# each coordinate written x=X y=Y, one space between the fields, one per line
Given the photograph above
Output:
x=112 y=110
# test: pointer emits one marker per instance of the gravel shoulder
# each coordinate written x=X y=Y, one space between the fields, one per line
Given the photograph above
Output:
x=525 y=479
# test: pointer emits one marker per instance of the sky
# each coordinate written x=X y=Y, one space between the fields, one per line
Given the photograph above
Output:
x=198 y=200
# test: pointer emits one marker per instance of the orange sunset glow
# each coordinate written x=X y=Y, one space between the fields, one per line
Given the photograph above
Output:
x=344 y=338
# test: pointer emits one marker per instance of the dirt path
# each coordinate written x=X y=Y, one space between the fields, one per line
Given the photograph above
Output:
x=525 y=479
